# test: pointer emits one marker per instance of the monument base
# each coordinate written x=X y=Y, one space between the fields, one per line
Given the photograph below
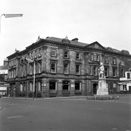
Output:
x=102 y=92
x=102 y=97
x=102 y=87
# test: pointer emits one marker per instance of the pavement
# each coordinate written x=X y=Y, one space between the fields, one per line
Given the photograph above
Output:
x=65 y=114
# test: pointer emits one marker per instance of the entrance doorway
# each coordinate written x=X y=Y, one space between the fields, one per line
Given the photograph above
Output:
x=95 y=85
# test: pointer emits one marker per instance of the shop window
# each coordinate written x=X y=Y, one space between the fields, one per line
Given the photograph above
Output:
x=31 y=87
x=21 y=87
x=39 y=86
x=66 y=85
x=77 y=86
x=52 y=85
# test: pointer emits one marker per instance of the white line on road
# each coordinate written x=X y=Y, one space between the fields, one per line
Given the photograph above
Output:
x=12 y=117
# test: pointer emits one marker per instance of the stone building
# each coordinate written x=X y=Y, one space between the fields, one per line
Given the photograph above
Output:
x=4 y=86
x=63 y=67
x=125 y=82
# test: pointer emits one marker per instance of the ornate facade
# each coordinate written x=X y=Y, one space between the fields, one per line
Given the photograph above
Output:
x=63 y=67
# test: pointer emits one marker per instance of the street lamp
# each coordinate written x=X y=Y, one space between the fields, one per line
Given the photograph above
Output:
x=9 y=16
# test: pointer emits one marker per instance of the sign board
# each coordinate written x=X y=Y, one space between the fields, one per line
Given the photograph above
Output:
x=3 y=71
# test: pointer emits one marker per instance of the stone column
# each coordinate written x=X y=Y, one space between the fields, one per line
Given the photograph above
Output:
x=27 y=88
x=59 y=87
x=83 y=90
x=45 y=87
x=72 y=87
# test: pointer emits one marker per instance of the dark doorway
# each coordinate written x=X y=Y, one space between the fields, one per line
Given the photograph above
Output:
x=95 y=85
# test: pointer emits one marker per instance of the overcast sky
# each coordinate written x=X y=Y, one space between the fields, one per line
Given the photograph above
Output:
x=105 y=21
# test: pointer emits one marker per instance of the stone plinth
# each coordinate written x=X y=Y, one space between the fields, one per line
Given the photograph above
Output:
x=102 y=87
x=102 y=97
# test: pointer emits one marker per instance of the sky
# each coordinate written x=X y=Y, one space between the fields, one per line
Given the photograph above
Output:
x=105 y=21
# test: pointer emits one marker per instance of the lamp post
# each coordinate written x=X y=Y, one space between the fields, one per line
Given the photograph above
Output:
x=9 y=16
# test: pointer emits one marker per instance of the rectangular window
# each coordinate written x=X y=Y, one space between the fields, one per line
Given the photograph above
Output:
x=77 y=56
x=30 y=69
x=92 y=57
x=66 y=68
x=39 y=86
x=114 y=71
x=66 y=85
x=106 y=60
x=39 y=66
x=66 y=54
x=98 y=57
x=94 y=70
x=31 y=87
x=106 y=71
x=128 y=75
x=21 y=87
x=77 y=69
x=114 y=60
x=122 y=73
x=77 y=86
x=52 y=85
x=53 y=52
x=53 y=67
x=91 y=70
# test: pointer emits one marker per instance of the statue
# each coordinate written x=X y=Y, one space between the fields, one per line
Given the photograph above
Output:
x=102 y=85
x=101 y=71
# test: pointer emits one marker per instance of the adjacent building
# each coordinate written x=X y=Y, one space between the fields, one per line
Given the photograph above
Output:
x=63 y=67
x=125 y=82
x=4 y=86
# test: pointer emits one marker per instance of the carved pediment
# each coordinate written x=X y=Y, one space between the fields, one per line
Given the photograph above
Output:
x=95 y=45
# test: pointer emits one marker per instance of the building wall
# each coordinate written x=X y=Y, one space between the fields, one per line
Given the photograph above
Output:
x=20 y=74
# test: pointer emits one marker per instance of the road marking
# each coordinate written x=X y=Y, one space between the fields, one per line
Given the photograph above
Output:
x=13 y=117
x=99 y=108
x=114 y=129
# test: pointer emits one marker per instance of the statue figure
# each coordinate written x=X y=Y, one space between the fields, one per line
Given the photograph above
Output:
x=101 y=71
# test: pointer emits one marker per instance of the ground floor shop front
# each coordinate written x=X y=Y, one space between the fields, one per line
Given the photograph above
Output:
x=50 y=87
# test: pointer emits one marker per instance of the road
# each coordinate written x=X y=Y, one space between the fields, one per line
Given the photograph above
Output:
x=65 y=114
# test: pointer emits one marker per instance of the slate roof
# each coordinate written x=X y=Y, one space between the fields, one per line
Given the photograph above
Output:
x=77 y=43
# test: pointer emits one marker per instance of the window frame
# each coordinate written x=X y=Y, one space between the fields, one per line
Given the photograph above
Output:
x=54 y=54
x=66 y=54
x=55 y=65
x=79 y=69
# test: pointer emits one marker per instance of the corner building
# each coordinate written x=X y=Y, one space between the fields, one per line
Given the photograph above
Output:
x=64 y=67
